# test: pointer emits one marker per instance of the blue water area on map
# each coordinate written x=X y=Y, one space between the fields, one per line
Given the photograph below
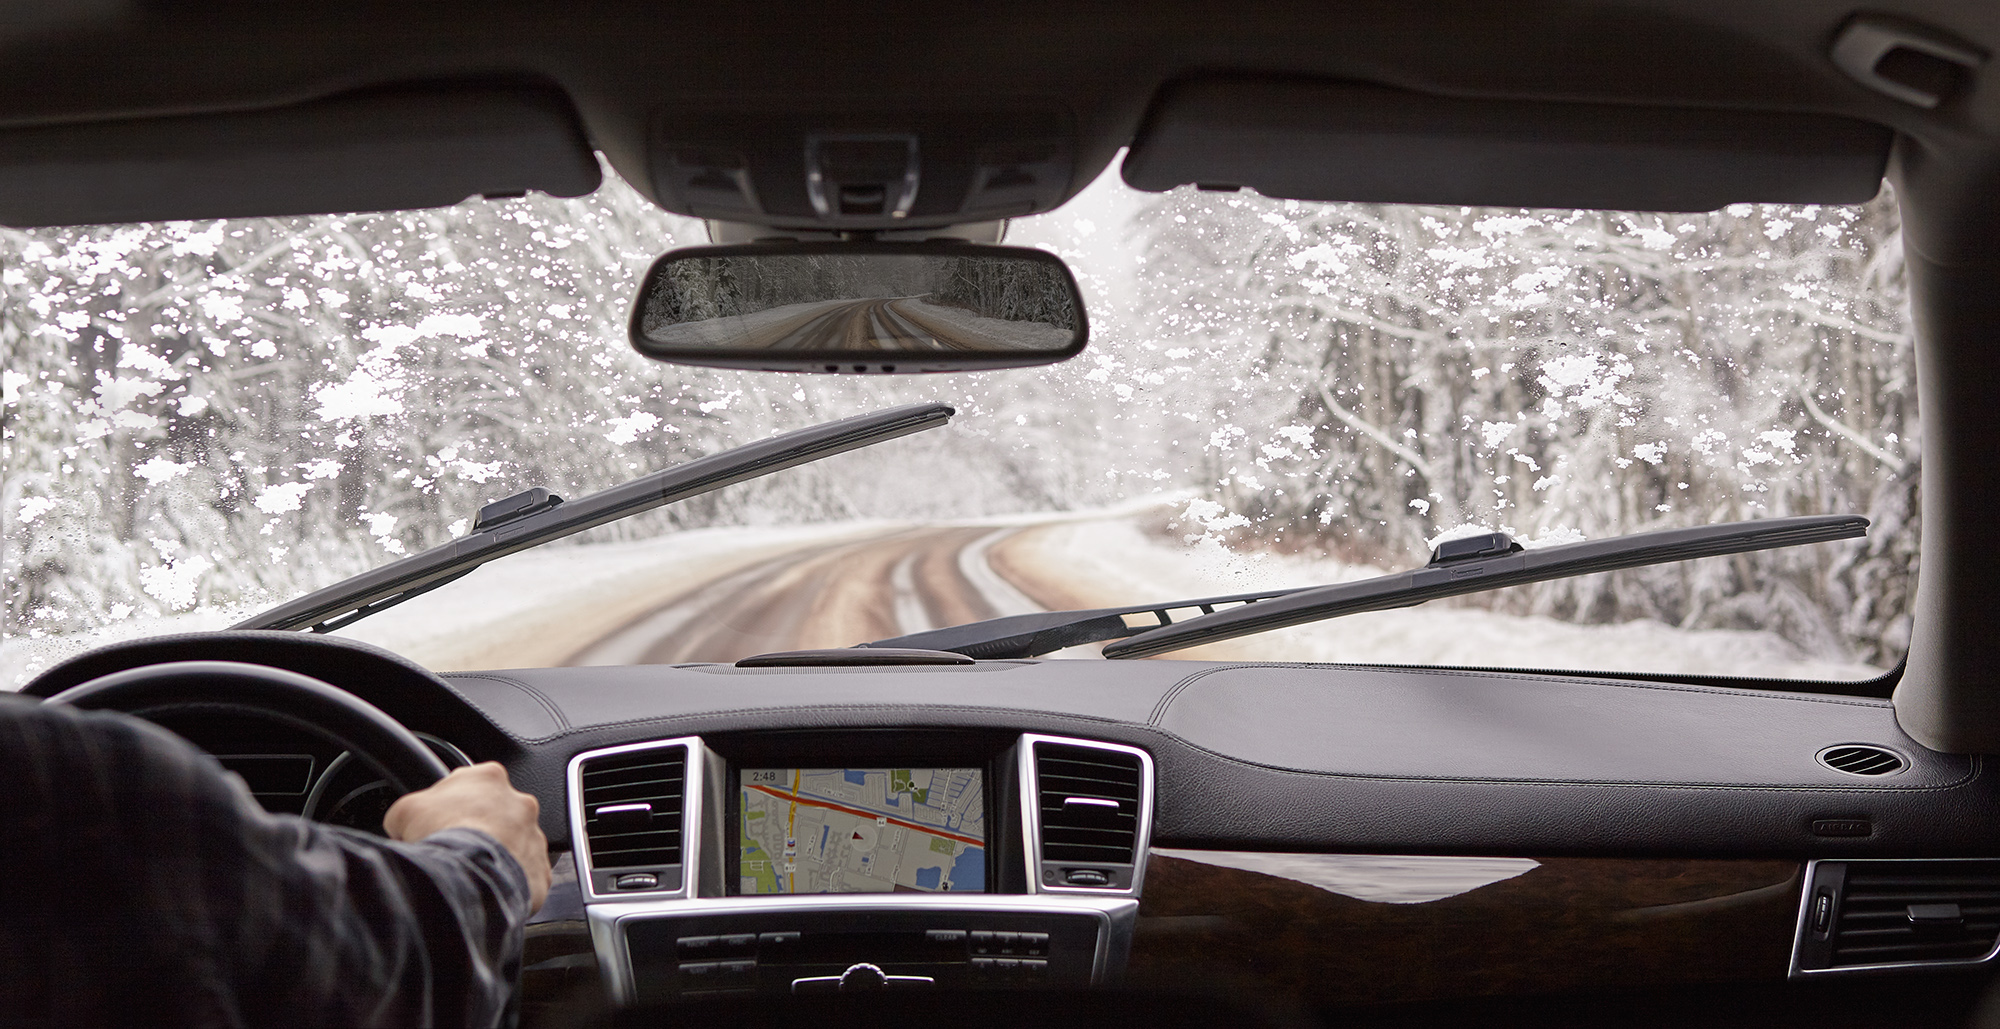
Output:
x=857 y=778
x=968 y=873
x=823 y=830
x=928 y=878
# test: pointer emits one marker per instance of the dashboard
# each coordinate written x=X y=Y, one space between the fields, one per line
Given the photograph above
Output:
x=1330 y=835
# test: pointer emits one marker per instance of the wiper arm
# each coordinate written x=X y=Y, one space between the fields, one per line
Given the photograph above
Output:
x=1045 y=632
x=537 y=516
x=1487 y=562
x=1471 y=565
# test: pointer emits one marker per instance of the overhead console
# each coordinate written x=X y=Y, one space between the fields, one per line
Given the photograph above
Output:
x=866 y=171
x=819 y=862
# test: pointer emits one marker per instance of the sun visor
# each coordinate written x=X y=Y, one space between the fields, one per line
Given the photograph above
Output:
x=1317 y=140
x=379 y=150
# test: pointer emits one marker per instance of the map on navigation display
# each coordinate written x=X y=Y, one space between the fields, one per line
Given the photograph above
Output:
x=861 y=830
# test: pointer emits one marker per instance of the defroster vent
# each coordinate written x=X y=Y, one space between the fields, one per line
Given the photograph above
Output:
x=1860 y=759
x=1091 y=805
x=631 y=806
x=1861 y=914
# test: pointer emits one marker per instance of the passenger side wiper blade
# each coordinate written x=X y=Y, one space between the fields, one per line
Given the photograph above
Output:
x=1045 y=632
x=1471 y=565
x=1486 y=562
x=537 y=516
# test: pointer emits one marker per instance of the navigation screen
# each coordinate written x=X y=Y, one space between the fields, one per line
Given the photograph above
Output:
x=862 y=830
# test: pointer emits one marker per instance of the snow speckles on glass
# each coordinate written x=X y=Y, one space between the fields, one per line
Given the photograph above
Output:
x=1308 y=391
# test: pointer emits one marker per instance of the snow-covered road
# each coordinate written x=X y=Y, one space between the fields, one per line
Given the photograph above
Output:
x=724 y=594
x=901 y=581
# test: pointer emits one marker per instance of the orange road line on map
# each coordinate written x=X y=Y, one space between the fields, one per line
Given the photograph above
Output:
x=934 y=831
x=792 y=817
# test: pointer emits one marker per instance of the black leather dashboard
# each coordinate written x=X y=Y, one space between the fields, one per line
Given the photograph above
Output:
x=1301 y=757
x=1317 y=757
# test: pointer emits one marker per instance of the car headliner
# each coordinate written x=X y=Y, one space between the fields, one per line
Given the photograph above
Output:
x=97 y=78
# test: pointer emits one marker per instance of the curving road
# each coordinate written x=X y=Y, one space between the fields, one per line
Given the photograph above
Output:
x=893 y=325
x=859 y=326
x=836 y=596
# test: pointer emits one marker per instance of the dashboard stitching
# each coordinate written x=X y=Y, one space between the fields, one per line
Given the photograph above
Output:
x=1177 y=688
x=538 y=696
x=1167 y=699
x=1974 y=767
x=490 y=720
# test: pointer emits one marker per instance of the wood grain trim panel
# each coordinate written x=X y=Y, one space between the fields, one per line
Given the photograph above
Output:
x=1562 y=924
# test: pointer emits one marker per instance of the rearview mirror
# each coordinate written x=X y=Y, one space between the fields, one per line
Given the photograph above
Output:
x=859 y=307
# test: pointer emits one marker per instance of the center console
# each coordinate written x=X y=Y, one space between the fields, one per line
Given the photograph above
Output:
x=804 y=862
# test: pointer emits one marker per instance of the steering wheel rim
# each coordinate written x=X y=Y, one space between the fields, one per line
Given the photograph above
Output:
x=364 y=729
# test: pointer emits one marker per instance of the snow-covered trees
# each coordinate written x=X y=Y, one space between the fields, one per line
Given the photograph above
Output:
x=239 y=411
x=235 y=412
x=255 y=406
x=1564 y=375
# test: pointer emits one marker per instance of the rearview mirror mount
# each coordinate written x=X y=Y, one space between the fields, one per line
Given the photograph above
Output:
x=859 y=307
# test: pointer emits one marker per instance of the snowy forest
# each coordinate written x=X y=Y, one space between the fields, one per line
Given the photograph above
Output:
x=229 y=413
x=1561 y=376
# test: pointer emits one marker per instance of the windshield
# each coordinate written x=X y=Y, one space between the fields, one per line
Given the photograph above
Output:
x=206 y=419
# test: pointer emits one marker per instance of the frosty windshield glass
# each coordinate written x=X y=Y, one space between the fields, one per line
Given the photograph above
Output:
x=206 y=419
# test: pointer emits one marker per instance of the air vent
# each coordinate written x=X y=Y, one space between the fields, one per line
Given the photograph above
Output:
x=632 y=808
x=1865 y=914
x=1091 y=810
x=1858 y=759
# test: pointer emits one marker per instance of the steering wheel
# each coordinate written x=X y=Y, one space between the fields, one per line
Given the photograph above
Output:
x=371 y=735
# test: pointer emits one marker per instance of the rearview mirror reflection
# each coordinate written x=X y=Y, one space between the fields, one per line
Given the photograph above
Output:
x=859 y=307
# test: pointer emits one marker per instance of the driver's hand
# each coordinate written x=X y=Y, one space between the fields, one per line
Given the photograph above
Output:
x=479 y=797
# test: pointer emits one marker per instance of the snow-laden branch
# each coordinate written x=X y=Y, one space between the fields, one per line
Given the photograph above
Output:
x=1840 y=429
x=201 y=276
x=1362 y=319
x=1815 y=315
x=1362 y=426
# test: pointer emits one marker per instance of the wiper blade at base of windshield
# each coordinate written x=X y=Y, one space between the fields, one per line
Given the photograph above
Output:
x=1045 y=632
x=1490 y=562
x=540 y=517
x=1470 y=565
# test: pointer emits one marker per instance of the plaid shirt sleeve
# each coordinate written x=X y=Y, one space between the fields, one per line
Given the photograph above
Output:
x=141 y=884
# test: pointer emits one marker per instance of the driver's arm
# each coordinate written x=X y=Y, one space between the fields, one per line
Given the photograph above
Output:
x=145 y=886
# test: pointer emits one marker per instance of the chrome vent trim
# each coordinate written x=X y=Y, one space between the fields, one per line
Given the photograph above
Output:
x=635 y=810
x=1090 y=803
x=1085 y=805
x=1863 y=759
x=1870 y=915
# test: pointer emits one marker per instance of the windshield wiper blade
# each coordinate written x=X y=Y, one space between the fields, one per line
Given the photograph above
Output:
x=1045 y=632
x=1486 y=562
x=1472 y=565
x=537 y=516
